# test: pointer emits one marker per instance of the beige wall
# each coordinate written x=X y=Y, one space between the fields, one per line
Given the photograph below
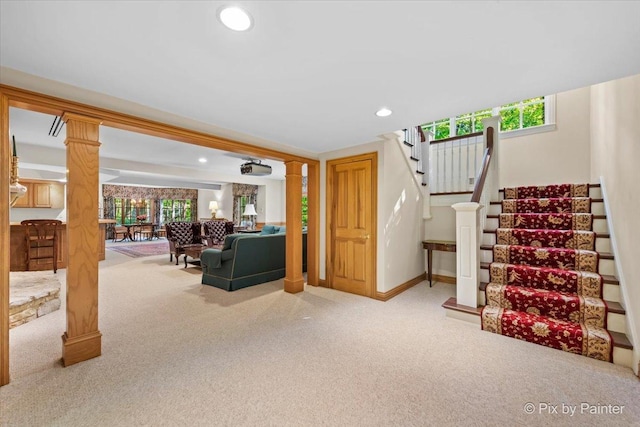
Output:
x=615 y=152
x=558 y=156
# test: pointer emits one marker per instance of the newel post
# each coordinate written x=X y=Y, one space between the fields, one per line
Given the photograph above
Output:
x=467 y=252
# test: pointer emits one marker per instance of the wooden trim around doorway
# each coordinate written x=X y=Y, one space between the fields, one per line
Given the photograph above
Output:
x=373 y=156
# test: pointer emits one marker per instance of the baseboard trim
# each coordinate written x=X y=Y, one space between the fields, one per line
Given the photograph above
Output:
x=443 y=279
x=322 y=283
x=386 y=296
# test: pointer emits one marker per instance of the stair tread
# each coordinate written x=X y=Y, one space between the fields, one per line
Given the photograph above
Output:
x=590 y=186
x=606 y=278
x=619 y=339
x=612 y=306
x=598 y=235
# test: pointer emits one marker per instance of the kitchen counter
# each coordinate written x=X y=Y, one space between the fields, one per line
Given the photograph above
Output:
x=18 y=259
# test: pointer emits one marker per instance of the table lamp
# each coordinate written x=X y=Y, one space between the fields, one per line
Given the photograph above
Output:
x=213 y=207
x=250 y=210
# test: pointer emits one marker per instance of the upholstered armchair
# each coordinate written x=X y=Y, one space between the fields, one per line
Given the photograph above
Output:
x=180 y=234
x=216 y=230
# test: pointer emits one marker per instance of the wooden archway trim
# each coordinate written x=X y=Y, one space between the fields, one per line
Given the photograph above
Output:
x=33 y=101
x=47 y=104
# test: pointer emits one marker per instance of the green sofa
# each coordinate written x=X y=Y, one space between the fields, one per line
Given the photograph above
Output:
x=248 y=259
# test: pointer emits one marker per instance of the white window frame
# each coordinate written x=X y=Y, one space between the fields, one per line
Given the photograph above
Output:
x=549 y=120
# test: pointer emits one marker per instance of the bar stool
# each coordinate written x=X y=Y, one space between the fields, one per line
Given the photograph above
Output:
x=42 y=240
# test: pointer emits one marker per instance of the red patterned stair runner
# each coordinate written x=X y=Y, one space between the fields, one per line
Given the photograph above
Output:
x=567 y=239
x=544 y=286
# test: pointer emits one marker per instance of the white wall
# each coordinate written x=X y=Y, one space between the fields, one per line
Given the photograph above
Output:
x=558 y=156
x=615 y=152
x=401 y=205
x=273 y=210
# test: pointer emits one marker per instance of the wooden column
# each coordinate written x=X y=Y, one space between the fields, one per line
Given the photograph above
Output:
x=294 y=281
x=82 y=340
x=313 y=223
x=4 y=240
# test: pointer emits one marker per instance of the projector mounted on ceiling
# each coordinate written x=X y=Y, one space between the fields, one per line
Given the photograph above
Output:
x=255 y=168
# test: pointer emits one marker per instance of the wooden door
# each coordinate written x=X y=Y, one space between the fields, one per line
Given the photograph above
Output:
x=351 y=191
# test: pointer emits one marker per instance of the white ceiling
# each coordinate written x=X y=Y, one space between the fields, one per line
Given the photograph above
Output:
x=309 y=75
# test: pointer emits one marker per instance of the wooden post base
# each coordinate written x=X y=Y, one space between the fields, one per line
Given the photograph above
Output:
x=81 y=348
x=294 y=286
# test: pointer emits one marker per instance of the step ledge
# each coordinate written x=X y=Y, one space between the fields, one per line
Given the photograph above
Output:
x=619 y=339
x=612 y=306
x=606 y=278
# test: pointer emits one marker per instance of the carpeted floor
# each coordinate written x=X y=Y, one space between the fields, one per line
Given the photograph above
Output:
x=179 y=353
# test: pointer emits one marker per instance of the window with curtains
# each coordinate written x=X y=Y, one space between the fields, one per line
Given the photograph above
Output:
x=130 y=211
x=240 y=203
x=175 y=210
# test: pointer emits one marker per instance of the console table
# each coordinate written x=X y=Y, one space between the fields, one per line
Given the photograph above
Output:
x=436 y=245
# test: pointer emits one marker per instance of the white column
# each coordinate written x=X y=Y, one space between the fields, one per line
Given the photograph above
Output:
x=467 y=252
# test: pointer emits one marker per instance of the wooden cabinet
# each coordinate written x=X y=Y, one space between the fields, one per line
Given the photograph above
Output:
x=41 y=194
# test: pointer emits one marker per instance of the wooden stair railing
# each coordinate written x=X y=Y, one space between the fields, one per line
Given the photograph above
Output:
x=484 y=168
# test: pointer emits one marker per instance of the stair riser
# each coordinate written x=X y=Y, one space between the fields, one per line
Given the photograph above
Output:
x=595 y=193
x=600 y=226
x=617 y=322
x=623 y=357
x=611 y=292
x=603 y=244
x=597 y=208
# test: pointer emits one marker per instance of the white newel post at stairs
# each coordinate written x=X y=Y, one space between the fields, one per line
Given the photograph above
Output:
x=467 y=252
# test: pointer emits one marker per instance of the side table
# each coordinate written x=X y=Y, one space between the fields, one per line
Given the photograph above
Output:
x=194 y=251
x=436 y=245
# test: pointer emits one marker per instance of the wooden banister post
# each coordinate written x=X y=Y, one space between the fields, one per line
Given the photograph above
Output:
x=494 y=168
x=467 y=252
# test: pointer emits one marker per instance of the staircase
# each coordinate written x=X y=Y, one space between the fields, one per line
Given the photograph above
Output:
x=548 y=276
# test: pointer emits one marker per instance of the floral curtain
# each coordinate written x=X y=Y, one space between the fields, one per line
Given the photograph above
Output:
x=110 y=192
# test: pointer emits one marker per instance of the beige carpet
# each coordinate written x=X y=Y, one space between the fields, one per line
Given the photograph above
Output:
x=177 y=353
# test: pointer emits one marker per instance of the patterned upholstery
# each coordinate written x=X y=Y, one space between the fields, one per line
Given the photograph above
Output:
x=215 y=231
x=180 y=234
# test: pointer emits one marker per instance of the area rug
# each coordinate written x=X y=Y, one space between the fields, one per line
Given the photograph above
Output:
x=142 y=250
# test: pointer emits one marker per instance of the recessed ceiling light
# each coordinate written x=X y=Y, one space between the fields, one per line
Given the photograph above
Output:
x=202 y=160
x=383 y=112
x=235 y=18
